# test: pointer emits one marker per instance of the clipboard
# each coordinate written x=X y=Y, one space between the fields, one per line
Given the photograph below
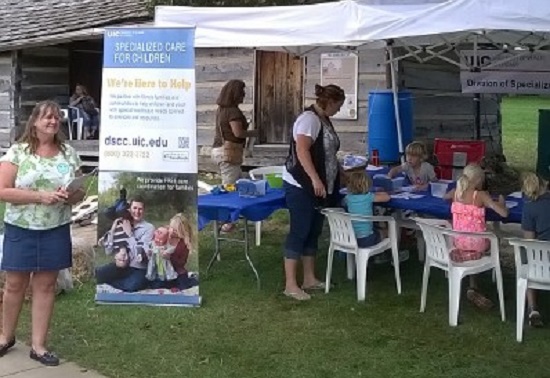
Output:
x=78 y=182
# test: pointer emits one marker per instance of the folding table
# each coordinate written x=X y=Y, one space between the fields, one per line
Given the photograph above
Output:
x=230 y=208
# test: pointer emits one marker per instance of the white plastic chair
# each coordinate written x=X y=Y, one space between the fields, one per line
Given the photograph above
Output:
x=535 y=274
x=439 y=238
x=342 y=238
x=256 y=174
x=78 y=121
x=65 y=115
x=204 y=187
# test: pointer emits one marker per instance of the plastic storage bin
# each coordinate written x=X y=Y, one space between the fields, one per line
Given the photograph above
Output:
x=275 y=180
x=251 y=188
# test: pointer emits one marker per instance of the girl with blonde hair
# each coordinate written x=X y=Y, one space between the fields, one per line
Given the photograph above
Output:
x=535 y=223
x=468 y=210
x=360 y=201
x=183 y=238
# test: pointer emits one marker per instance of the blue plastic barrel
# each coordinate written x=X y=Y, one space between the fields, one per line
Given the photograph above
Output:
x=382 y=130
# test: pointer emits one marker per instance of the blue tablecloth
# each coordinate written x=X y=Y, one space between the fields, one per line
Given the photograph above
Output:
x=440 y=208
x=229 y=207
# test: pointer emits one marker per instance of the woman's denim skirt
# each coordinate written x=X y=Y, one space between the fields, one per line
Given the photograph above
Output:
x=26 y=250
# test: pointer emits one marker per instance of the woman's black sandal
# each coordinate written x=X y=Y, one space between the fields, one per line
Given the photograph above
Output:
x=6 y=347
x=48 y=358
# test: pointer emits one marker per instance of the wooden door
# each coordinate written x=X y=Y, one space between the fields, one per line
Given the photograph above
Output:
x=279 y=95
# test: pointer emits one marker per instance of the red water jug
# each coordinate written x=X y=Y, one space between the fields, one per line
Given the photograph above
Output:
x=375 y=158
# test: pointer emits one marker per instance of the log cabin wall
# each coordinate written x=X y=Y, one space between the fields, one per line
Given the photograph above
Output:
x=7 y=84
x=45 y=76
x=440 y=108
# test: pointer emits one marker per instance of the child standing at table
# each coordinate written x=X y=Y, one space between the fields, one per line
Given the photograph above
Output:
x=468 y=210
x=359 y=201
x=535 y=223
x=419 y=172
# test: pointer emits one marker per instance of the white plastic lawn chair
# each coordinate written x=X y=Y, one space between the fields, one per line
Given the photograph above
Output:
x=342 y=238
x=535 y=274
x=203 y=187
x=439 y=243
x=256 y=174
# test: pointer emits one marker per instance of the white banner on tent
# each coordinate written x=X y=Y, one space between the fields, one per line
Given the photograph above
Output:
x=342 y=69
x=514 y=72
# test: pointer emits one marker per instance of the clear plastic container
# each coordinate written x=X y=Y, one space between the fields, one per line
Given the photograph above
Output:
x=439 y=189
x=397 y=183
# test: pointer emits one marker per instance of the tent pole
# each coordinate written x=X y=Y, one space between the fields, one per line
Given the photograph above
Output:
x=393 y=75
x=477 y=97
x=477 y=116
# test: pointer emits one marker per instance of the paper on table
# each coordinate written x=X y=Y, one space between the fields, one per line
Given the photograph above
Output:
x=406 y=195
x=516 y=195
x=408 y=188
x=511 y=204
x=373 y=168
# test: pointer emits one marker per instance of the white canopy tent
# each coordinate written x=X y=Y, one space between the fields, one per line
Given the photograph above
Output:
x=426 y=29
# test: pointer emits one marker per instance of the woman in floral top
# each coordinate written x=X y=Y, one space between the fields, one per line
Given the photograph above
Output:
x=37 y=240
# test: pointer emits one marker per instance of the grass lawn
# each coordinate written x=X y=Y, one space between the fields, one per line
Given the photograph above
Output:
x=242 y=332
x=520 y=119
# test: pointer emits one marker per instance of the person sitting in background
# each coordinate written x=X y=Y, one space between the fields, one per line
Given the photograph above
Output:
x=419 y=172
x=468 y=210
x=88 y=111
x=535 y=223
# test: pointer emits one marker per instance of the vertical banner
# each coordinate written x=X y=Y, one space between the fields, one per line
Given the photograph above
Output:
x=147 y=227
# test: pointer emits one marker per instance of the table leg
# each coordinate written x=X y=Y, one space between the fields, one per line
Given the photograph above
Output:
x=216 y=246
x=247 y=255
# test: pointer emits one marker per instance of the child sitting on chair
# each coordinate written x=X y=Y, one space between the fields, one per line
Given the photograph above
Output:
x=535 y=223
x=419 y=172
x=468 y=210
x=359 y=201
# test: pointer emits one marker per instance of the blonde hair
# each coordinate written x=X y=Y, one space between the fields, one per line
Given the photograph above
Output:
x=29 y=135
x=358 y=182
x=472 y=175
x=182 y=225
x=533 y=186
x=416 y=149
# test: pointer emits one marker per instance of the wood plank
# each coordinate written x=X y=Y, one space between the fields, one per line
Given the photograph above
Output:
x=205 y=55
x=225 y=72
x=37 y=78
x=43 y=61
x=44 y=92
x=424 y=105
x=47 y=51
x=419 y=78
x=5 y=120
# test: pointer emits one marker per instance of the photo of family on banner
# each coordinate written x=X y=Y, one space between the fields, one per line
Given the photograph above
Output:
x=148 y=245
x=147 y=249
